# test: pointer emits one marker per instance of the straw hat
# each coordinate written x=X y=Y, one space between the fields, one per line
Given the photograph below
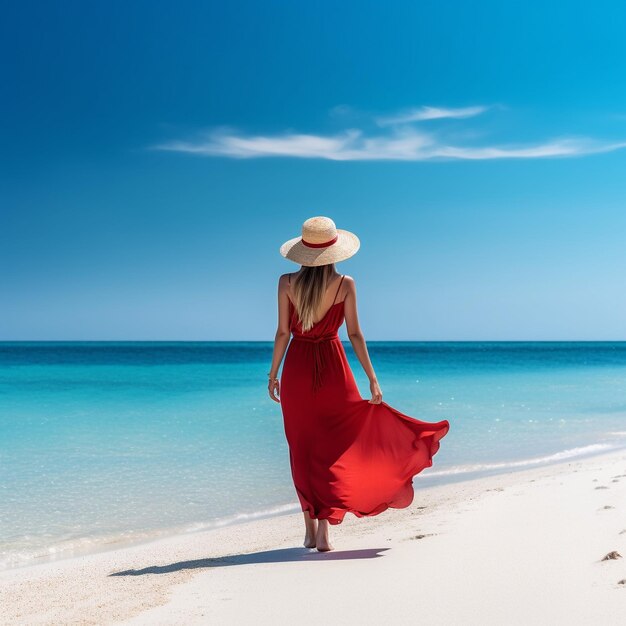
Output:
x=321 y=243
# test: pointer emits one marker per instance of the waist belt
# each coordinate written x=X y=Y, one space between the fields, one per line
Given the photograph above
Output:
x=318 y=354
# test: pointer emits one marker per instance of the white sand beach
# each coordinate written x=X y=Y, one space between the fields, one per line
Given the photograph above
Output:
x=517 y=548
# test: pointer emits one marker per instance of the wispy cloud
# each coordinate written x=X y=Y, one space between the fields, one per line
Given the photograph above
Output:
x=424 y=113
x=402 y=141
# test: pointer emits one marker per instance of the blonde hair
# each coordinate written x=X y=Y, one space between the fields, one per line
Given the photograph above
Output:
x=308 y=290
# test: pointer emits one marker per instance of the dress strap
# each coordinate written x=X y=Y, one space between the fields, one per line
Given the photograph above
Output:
x=289 y=297
x=338 y=288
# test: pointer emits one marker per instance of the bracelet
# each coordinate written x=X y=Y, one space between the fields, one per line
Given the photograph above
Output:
x=271 y=378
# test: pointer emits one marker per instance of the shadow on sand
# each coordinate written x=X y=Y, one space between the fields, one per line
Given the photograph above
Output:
x=268 y=556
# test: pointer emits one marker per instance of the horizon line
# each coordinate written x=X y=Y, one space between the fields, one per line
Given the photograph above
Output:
x=6 y=341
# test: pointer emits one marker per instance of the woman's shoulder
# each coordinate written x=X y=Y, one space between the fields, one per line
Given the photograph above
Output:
x=348 y=281
x=347 y=287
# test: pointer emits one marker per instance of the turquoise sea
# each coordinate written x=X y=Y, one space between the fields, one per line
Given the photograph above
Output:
x=106 y=443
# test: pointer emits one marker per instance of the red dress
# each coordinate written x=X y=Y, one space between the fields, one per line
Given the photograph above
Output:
x=347 y=455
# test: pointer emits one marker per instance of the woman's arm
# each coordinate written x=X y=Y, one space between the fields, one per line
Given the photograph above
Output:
x=281 y=340
x=358 y=340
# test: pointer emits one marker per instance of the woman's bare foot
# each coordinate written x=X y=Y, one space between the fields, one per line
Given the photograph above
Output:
x=322 y=542
x=311 y=531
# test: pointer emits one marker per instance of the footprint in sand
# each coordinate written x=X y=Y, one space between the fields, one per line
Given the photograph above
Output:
x=611 y=556
x=601 y=487
x=418 y=510
x=622 y=582
x=606 y=507
x=421 y=536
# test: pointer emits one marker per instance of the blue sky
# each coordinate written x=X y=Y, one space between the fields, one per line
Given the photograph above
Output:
x=156 y=155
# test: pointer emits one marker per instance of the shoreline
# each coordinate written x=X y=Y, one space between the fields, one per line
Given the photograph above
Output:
x=550 y=518
x=433 y=478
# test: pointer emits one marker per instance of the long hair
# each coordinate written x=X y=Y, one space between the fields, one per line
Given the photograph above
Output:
x=309 y=289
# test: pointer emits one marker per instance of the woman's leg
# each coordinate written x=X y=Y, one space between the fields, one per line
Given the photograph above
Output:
x=311 y=530
x=322 y=541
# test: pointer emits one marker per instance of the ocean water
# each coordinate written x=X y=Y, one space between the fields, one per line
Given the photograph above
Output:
x=107 y=443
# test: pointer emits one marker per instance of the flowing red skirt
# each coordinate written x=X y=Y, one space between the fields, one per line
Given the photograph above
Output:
x=346 y=455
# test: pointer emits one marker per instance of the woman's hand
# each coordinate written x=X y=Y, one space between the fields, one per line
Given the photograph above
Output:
x=273 y=387
x=377 y=394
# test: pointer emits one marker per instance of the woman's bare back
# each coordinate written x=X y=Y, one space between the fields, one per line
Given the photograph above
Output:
x=335 y=292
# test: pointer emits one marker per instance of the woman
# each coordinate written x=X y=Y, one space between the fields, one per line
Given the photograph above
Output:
x=347 y=454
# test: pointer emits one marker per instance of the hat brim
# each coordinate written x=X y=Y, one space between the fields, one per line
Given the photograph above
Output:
x=347 y=245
